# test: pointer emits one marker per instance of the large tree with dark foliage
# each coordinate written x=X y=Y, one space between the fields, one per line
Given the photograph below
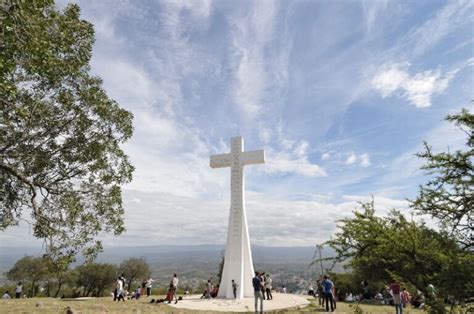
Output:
x=61 y=161
x=29 y=269
x=382 y=249
x=96 y=278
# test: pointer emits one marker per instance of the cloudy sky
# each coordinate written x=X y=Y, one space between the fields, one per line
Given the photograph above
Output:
x=340 y=94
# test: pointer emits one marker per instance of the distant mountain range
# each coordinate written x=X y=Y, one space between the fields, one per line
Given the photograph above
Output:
x=195 y=264
x=156 y=255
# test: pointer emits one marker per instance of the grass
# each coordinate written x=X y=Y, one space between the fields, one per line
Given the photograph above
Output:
x=343 y=307
x=106 y=305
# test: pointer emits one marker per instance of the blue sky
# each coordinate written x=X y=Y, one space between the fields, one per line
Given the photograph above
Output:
x=340 y=94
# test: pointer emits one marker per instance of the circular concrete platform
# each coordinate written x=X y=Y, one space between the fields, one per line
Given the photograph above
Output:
x=280 y=301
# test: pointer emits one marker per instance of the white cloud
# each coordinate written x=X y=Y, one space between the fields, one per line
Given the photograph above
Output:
x=418 y=89
x=373 y=12
x=454 y=15
x=251 y=33
x=125 y=82
x=286 y=162
x=272 y=221
x=351 y=159
x=326 y=156
x=365 y=160
x=289 y=156
x=389 y=79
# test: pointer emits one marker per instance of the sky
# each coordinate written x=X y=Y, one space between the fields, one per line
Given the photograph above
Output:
x=339 y=94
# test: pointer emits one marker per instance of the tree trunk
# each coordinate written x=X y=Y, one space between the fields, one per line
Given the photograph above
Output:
x=33 y=289
x=100 y=291
x=48 y=288
x=91 y=289
x=59 y=289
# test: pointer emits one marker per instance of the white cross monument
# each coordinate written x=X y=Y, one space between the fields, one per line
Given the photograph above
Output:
x=238 y=265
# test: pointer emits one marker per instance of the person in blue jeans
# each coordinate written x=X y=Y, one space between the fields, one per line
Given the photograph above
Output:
x=328 y=297
x=257 y=288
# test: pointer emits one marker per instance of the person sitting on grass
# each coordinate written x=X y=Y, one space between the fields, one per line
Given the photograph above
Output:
x=379 y=298
x=6 y=296
x=136 y=294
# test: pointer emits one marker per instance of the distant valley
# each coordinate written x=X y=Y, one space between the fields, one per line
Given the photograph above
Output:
x=288 y=265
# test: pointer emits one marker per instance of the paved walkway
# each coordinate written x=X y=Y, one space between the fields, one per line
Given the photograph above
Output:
x=280 y=301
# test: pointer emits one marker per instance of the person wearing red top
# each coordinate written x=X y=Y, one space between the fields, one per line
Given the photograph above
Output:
x=405 y=295
x=397 y=301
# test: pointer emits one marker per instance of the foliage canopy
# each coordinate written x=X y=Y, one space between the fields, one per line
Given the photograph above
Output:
x=449 y=195
x=60 y=133
x=134 y=268
x=29 y=269
x=394 y=248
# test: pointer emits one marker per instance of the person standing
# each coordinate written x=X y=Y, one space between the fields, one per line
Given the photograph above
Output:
x=365 y=290
x=234 y=288
x=208 y=289
x=149 y=283
x=174 y=285
x=18 y=290
x=328 y=297
x=310 y=288
x=319 y=284
x=257 y=291
x=143 y=287
x=269 y=287
x=262 y=280
x=124 y=281
x=397 y=300
x=120 y=291
x=405 y=295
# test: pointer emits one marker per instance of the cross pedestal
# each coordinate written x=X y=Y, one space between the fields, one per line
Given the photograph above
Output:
x=238 y=265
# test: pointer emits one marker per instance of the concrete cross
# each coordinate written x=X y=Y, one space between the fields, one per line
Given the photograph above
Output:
x=238 y=265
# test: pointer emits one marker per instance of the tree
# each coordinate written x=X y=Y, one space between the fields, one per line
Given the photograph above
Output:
x=393 y=248
x=94 y=278
x=29 y=269
x=449 y=195
x=134 y=268
x=220 y=269
x=60 y=133
x=59 y=274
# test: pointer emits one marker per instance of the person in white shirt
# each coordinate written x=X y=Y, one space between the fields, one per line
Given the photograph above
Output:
x=120 y=291
x=148 y=286
x=18 y=290
x=6 y=296
x=174 y=283
x=268 y=288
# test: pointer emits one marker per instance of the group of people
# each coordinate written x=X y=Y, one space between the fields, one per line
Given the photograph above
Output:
x=326 y=292
x=396 y=295
x=171 y=294
x=120 y=293
x=18 y=292
x=210 y=291
x=393 y=294
x=262 y=284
